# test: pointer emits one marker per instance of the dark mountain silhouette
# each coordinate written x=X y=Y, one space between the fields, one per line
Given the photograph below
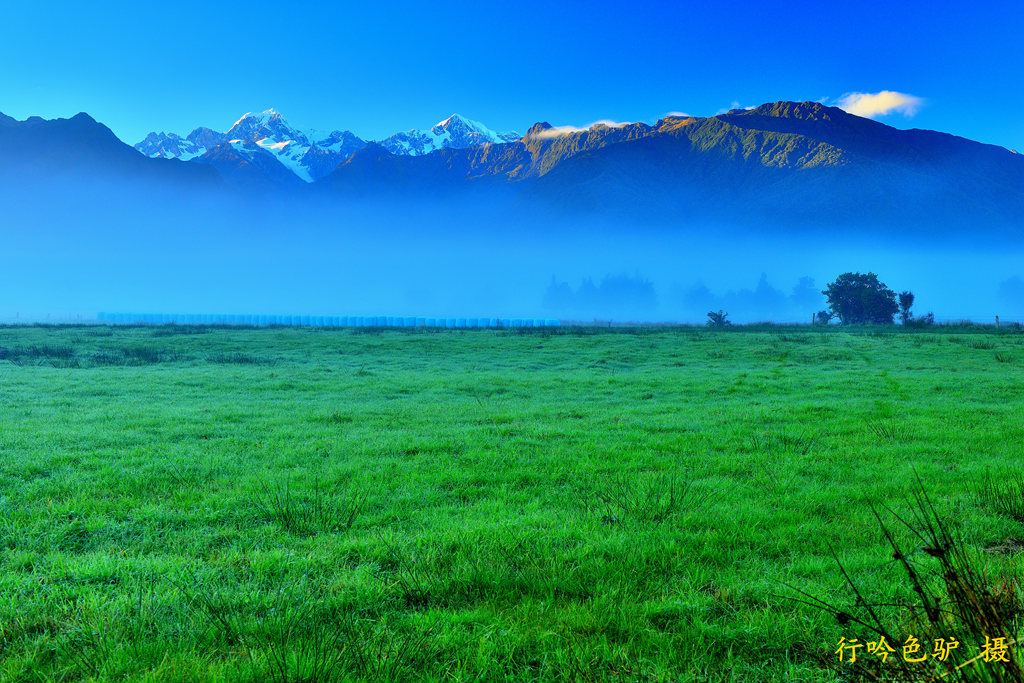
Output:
x=80 y=149
x=784 y=165
x=786 y=161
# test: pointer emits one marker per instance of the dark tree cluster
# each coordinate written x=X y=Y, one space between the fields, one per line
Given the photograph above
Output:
x=623 y=295
x=764 y=302
x=861 y=299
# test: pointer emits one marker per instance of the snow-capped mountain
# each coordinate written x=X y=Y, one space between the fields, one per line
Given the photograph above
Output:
x=259 y=138
x=309 y=155
x=455 y=132
x=265 y=140
x=172 y=146
x=783 y=165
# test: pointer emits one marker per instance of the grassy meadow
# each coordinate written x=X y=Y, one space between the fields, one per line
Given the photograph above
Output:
x=227 y=504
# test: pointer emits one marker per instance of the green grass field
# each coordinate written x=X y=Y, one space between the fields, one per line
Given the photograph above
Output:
x=184 y=503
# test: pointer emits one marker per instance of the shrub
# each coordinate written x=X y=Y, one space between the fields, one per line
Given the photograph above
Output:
x=718 y=319
x=957 y=596
x=923 y=321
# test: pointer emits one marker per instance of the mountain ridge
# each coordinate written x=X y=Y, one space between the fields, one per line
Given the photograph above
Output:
x=454 y=132
x=781 y=162
x=308 y=154
x=785 y=159
x=80 y=148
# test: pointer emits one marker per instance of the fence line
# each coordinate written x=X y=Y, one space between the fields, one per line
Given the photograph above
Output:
x=318 y=320
x=418 y=321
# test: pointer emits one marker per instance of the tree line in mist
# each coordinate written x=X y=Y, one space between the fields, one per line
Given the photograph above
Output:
x=624 y=296
x=633 y=297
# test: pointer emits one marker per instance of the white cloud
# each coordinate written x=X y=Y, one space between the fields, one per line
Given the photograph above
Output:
x=611 y=124
x=558 y=131
x=725 y=110
x=734 y=105
x=870 y=105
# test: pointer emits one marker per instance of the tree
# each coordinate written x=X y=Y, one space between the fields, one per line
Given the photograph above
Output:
x=718 y=319
x=805 y=295
x=822 y=317
x=623 y=294
x=906 y=301
x=558 y=296
x=857 y=299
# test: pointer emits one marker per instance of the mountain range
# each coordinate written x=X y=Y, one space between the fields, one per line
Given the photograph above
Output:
x=783 y=163
x=285 y=154
x=43 y=151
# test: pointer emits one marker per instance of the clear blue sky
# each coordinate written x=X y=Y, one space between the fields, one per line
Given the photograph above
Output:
x=376 y=69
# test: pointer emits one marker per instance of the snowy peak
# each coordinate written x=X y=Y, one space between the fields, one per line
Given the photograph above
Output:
x=455 y=122
x=262 y=138
x=459 y=126
x=173 y=146
x=268 y=129
x=164 y=146
x=205 y=137
x=454 y=132
x=338 y=140
x=302 y=154
x=266 y=140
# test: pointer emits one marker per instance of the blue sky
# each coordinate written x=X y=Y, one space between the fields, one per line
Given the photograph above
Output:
x=376 y=69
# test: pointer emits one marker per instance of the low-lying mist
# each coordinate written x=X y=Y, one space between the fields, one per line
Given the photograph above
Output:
x=74 y=249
